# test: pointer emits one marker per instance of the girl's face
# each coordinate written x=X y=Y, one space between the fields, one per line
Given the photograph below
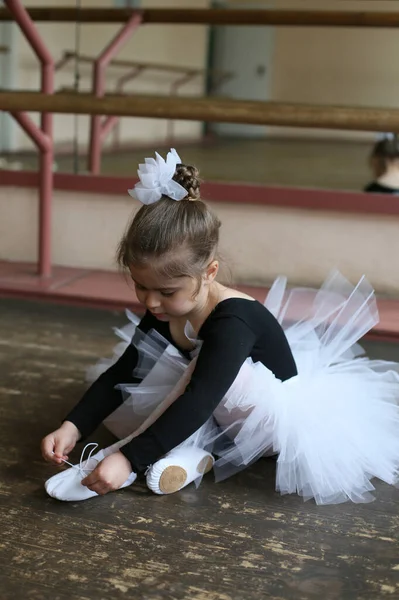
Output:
x=165 y=297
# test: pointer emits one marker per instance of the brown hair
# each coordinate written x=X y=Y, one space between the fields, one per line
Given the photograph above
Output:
x=178 y=238
x=384 y=152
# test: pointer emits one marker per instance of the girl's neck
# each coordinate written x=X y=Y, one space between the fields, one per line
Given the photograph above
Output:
x=391 y=177
x=205 y=306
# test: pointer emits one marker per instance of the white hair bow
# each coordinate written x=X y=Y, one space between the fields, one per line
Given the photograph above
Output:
x=156 y=179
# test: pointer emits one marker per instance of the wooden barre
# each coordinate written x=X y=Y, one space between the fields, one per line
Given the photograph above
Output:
x=206 y=109
x=131 y=64
x=69 y=55
x=296 y=18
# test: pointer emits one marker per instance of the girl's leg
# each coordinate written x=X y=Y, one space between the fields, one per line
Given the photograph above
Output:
x=188 y=462
x=67 y=484
x=177 y=469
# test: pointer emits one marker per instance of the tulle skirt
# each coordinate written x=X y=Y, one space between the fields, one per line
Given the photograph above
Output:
x=334 y=427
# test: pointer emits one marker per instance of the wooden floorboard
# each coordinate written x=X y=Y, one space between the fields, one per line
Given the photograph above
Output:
x=236 y=540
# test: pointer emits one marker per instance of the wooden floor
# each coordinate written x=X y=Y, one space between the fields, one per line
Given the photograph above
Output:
x=324 y=164
x=236 y=540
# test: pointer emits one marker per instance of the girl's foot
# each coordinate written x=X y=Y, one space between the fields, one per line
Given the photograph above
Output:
x=177 y=469
x=67 y=484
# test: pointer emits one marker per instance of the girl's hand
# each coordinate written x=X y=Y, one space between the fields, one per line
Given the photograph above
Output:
x=56 y=445
x=109 y=475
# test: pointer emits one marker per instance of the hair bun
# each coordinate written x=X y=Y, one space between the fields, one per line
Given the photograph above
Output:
x=188 y=177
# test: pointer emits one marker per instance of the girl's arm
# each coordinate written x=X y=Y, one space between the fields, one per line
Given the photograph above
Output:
x=227 y=344
x=101 y=399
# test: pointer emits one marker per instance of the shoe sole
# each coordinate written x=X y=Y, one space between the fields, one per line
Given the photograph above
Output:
x=174 y=477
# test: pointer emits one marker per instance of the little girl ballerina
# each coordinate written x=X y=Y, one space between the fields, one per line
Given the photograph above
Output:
x=209 y=371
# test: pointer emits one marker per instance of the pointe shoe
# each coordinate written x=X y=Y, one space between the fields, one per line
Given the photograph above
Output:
x=67 y=485
x=177 y=469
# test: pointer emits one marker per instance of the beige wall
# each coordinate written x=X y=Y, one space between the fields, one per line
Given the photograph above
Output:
x=332 y=65
x=258 y=242
x=313 y=65
x=166 y=44
x=336 y=65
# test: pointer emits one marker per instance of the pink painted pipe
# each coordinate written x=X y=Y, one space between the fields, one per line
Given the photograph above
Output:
x=43 y=137
x=100 y=66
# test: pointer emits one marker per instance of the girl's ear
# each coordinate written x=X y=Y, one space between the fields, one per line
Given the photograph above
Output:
x=211 y=271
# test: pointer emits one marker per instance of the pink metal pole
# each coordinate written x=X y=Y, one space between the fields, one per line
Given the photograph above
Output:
x=119 y=90
x=43 y=137
x=41 y=140
x=100 y=66
x=106 y=126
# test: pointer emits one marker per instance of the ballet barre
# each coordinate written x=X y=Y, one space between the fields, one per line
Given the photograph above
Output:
x=203 y=16
x=205 y=109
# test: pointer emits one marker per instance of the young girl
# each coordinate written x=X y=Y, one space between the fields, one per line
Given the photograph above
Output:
x=211 y=371
x=384 y=162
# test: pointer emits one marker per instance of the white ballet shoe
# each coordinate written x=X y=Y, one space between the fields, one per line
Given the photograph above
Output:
x=177 y=469
x=67 y=485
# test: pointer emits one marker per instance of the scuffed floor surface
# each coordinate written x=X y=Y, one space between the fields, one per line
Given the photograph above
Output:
x=237 y=540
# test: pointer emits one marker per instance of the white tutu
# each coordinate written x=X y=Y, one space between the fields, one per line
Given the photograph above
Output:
x=335 y=426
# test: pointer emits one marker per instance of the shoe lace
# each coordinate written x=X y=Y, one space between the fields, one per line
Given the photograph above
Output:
x=82 y=467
